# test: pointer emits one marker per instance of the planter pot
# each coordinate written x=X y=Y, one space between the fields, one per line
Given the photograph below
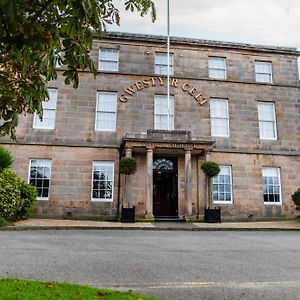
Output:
x=212 y=215
x=128 y=215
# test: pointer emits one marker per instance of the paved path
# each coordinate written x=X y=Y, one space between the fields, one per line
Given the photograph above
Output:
x=74 y=224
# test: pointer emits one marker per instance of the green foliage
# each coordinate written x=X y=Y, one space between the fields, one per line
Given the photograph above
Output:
x=3 y=222
x=296 y=198
x=16 y=196
x=34 y=34
x=6 y=159
x=29 y=195
x=28 y=290
x=10 y=194
x=210 y=168
x=127 y=165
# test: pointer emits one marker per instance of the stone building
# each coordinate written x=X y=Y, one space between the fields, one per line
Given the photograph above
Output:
x=235 y=104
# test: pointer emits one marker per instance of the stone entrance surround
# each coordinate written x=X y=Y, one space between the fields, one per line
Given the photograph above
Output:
x=174 y=143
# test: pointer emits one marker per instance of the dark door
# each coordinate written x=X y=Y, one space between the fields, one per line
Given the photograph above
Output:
x=165 y=187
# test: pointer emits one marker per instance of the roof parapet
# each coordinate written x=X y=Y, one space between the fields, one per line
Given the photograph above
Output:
x=202 y=42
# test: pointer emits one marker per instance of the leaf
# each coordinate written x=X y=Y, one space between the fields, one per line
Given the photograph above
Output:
x=10 y=10
x=32 y=34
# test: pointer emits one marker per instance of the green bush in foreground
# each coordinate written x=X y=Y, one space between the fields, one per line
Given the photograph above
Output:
x=6 y=159
x=16 y=196
x=29 y=195
x=3 y=222
x=36 y=290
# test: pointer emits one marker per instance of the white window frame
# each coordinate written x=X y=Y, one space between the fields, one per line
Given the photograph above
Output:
x=211 y=61
x=102 y=58
x=48 y=106
x=214 y=117
x=266 y=120
x=50 y=168
x=160 y=64
x=103 y=163
x=279 y=185
x=222 y=167
x=100 y=109
x=169 y=114
x=265 y=73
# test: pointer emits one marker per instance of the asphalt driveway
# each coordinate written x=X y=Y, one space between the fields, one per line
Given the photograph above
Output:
x=168 y=264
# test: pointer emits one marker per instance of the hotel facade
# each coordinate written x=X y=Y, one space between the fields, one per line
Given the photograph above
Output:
x=235 y=104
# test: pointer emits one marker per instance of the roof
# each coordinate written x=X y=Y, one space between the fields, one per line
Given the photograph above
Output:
x=201 y=42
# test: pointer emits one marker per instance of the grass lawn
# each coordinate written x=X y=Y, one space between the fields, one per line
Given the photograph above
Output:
x=17 y=289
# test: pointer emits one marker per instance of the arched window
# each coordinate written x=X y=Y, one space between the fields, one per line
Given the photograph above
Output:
x=161 y=164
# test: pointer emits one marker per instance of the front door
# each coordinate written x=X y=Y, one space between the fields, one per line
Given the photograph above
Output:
x=165 y=187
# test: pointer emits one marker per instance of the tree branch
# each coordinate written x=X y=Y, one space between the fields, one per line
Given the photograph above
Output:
x=41 y=11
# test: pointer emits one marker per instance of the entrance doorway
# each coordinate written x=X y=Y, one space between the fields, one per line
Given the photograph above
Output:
x=165 y=187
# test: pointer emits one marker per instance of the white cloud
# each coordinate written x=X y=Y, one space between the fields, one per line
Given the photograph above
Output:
x=272 y=22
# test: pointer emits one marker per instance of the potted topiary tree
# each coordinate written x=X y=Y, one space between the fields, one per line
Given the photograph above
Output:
x=296 y=199
x=211 y=215
x=127 y=166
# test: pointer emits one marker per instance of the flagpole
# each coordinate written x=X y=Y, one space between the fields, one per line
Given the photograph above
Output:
x=168 y=63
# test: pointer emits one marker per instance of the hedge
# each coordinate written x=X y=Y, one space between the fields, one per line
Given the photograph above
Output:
x=16 y=196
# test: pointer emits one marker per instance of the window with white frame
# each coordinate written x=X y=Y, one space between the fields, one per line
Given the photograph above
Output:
x=164 y=112
x=222 y=186
x=263 y=71
x=271 y=185
x=106 y=111
x=103 y=181
x=108 y=60
x=217 y=67
x=161 y=63
x=39 y=176
x=49 y=111
x=219 y=117
x=267 y=121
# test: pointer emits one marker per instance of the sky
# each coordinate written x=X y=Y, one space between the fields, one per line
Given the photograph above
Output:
x=263 y=22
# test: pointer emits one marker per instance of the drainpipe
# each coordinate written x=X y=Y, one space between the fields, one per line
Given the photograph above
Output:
x=119 y=184
x=168 y=64
x=198 y=188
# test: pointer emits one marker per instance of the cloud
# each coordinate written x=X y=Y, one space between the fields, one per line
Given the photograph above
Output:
x=271 y=22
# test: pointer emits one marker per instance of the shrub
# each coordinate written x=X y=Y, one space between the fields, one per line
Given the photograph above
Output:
x=3 y=222
x=16 y=196
x=29 y=195
x=10 y=196
x=127 y=165
x=210 y=168
x=6 y=159
x=296 y=198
